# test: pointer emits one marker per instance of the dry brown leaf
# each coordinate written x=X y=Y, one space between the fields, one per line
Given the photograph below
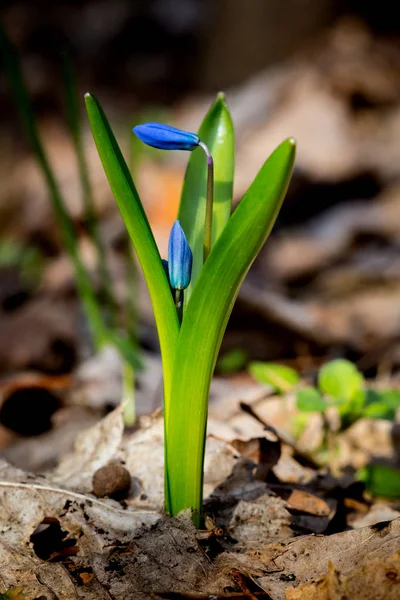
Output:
x=378 y=580
x=305 y=559
x=89 y=524
x=94 y=448
x=308 y=503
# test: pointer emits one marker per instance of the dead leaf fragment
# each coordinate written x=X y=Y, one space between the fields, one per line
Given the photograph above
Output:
x=308 y=503
x=379 y=579
x=307 y=558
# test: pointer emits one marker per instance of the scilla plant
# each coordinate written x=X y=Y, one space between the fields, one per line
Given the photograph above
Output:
x=210 y=253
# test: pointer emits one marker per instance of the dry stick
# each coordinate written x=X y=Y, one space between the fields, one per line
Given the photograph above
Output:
x=307 y=460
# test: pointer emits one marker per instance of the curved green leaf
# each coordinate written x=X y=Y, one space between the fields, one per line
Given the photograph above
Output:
x=340 y=378
x=280 y=377
x=381 y=480
x=310 y=400
x=135 y=219
x=205 y=320
x=217 y=133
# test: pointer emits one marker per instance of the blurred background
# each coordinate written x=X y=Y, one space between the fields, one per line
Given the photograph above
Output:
x=327 y=283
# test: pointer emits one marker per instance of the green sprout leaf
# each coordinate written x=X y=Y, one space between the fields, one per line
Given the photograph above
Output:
x=216 y=132
x=310 y=400
x=280 y=377
x=390 y=398
x=381 y=405
x=233 y=361
x=381 y=480
x=379 y=410
x=340 y=379
x=135 y=219
x=205 y=320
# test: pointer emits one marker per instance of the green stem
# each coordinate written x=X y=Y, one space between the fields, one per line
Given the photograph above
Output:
x=209 y=203
x=178 y=299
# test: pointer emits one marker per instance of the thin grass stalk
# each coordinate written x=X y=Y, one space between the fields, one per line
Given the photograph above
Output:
x=21 y=98
x=90 y=215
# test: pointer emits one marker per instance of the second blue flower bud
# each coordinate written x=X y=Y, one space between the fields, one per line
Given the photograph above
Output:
x=179 y=258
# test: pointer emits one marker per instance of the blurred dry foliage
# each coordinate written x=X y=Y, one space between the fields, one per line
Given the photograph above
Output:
x=59 y=540
x=326 y=284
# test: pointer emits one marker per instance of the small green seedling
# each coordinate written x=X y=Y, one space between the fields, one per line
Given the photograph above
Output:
x=381 y=480
x=279 y=377
x=341 y=385
x=210 y=253
x=232 y=361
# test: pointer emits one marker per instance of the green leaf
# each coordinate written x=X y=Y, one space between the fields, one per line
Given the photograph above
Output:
x=136 y=222
x=310 y=400
x=217 y=133
x=379 y=410
x=381 y=480
x=381 y=405
x=349 y=410
x=232 y=361
x=280 y=377
x=205 y=320
x=298 y=423
x=340 y=379
x=391 y=398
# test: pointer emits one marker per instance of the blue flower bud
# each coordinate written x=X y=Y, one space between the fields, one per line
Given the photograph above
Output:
x=165 y=137
x=179 y=258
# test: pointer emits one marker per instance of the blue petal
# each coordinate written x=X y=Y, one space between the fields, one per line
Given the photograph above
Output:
x=165 y=137
x=179 y=258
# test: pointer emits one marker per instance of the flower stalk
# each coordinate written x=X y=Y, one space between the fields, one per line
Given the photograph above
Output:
x=208 y=222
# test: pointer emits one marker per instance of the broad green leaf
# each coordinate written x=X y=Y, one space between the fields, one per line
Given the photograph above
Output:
x=310 y=400
x=340 y=379
x=232 y=361
x=135 y=219
x=350 y=410
x=381 y=480
x=390 y=397
x=216 y=132
x=381 y=405
x=205 y=320
x=379 y=410
x=280 y=377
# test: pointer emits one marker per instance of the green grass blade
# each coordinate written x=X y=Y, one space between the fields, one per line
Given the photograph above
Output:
x=217 y=133
x=205 y=320
x=136 y=222
x=74 y=123
x=22 y=101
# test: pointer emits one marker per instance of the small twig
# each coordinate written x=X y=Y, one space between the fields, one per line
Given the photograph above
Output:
x=283 y=438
